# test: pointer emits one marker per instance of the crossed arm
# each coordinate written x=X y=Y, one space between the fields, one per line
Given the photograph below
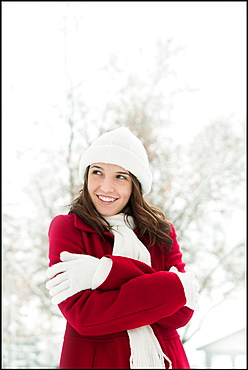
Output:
x=130 y=293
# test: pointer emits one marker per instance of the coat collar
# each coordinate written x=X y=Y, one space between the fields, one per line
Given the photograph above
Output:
x=82 y=225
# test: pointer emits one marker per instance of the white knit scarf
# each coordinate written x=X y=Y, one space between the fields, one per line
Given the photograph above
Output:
x=145 y=348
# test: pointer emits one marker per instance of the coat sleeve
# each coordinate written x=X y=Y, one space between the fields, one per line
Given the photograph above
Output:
x=141 y=300
x=177 y=320
x=124 y=269
x=174 y=256
x=63 y=236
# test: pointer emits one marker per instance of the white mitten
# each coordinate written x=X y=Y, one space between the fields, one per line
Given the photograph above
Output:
x=74 y=273
x=190 y=286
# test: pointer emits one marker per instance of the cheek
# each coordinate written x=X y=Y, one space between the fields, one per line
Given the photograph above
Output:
x=128 y=192
x=91 y=186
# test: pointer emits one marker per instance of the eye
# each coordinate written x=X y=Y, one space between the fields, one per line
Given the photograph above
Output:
x=121 y=177
x=96 y=172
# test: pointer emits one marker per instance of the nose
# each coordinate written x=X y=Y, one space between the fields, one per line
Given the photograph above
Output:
x=107 y=185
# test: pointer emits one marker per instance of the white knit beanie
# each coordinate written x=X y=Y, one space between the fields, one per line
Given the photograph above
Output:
x=122 y=148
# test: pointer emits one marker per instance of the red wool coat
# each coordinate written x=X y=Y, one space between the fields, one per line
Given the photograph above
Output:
x=133 y=295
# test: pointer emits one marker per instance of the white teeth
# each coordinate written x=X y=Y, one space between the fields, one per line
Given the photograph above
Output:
x=105 y=199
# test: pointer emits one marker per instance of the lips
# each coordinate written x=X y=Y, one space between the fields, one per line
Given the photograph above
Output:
x=106 y=200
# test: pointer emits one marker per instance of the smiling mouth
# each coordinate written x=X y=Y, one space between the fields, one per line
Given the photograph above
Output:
x=106 y=200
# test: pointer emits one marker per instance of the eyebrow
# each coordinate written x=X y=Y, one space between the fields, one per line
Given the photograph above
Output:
x=124 y=173
x=120 y=172
x=96 y=167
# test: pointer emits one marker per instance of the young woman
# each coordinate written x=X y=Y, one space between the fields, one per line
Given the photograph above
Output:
x=116 y=268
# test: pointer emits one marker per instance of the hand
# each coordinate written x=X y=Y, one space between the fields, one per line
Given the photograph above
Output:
x=190 y=286
x=74 y=274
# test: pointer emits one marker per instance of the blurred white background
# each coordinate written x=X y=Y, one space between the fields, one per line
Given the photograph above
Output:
x=50 y=48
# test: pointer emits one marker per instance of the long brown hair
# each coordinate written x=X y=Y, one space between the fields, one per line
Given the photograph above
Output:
x=149 y=220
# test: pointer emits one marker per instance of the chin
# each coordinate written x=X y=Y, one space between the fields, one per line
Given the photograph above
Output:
x=109 y=213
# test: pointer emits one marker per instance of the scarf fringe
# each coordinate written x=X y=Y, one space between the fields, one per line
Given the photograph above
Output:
x=146 y=352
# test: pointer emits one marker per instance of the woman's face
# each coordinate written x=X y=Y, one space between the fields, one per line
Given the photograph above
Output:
x=110 y=188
